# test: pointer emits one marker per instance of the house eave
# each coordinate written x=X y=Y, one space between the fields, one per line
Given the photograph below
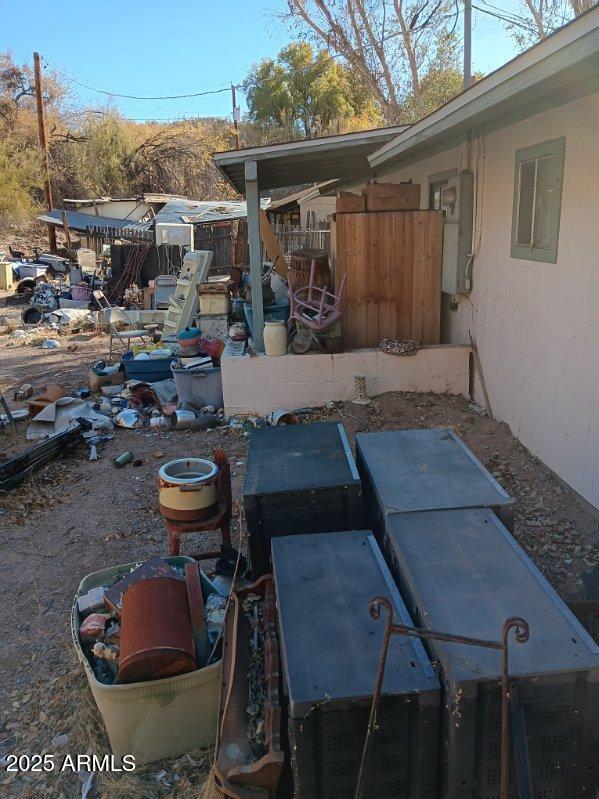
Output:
x=557 y=71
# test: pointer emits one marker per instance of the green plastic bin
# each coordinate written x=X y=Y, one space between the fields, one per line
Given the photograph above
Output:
x=156 y=719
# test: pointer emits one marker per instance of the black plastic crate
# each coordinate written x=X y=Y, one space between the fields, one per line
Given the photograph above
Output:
x=330 y=651
x=416 y=470
x=299 y=479
x=462 y=572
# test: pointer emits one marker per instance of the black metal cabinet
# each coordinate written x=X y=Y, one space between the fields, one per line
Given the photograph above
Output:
x=299 y=479
x=462 y=572
x=330 y=651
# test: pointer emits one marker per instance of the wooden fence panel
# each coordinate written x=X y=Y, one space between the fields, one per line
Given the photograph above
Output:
x=392 y=261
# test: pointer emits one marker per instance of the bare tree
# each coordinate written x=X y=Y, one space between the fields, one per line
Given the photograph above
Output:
x=391 y=44
x=543 y=17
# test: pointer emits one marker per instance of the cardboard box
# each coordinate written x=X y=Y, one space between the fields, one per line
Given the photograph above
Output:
x=392 y=196
x=97 y=381
x=349 y=203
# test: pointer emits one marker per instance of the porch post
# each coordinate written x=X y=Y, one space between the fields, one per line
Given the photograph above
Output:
x=252 y=196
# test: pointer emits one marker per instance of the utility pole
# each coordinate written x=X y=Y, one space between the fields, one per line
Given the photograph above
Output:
x=467 y=44
x=235 y=115
x=41 y=125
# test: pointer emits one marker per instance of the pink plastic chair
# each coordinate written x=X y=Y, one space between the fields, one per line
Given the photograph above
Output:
x=312 y=306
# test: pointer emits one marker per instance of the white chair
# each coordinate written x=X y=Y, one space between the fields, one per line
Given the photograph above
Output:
x=112 y=315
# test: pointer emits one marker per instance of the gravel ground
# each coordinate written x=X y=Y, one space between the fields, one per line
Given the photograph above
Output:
x=77 y=516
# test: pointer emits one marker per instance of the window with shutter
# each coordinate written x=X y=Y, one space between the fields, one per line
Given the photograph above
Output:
x=538 y=182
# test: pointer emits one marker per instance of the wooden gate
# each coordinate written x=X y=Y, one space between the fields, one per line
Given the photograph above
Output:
x=392 y=260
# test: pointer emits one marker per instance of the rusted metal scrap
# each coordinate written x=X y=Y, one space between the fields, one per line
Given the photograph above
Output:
x=249 y=758
x=156 y=633
x=15 y=470
x=521 y=635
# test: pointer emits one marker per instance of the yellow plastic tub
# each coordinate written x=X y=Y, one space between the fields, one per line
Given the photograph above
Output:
x=157 y=719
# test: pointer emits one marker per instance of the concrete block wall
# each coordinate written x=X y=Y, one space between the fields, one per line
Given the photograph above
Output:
x=260 y=385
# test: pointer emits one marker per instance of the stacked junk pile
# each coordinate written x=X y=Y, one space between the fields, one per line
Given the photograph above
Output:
x=395 y=641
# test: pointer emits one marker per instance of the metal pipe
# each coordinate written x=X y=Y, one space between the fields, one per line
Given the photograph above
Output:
x=522 y=632
x=467 y=44
x=252 y=197
x=521 y=635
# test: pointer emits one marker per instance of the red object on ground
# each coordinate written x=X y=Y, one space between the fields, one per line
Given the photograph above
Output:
x=156 y=633
x=220 y=520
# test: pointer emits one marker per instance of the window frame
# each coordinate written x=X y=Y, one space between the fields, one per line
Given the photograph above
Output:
x=553 y=147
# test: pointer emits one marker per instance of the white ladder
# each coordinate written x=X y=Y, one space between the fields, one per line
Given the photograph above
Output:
x=184 y=299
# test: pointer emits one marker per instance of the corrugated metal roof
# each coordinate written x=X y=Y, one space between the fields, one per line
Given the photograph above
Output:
x=293 y=199
x=196 y=212
x=80 y=222
x=316 y=160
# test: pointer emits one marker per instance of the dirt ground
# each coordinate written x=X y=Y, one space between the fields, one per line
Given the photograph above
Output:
x=77 y=516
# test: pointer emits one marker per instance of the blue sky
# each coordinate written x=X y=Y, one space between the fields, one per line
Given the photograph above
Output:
x=154 y=48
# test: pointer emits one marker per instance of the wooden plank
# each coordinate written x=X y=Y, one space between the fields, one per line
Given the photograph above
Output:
x=387 y=290
x=432 y=279
x=392 y=196
x=418 y=268
x=359 y=321
x=271 y=245
x=404 y=224
x=372 y=271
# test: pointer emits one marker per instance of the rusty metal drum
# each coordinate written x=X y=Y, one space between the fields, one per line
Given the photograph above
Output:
x=188 y=489
x=156 y=633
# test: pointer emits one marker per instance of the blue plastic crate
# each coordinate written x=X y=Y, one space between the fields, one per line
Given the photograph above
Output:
x=149 y=370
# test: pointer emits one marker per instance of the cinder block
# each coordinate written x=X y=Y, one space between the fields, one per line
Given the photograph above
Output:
x=441 y=369
x=346 y=365
x=312 y=367
x=261 y=370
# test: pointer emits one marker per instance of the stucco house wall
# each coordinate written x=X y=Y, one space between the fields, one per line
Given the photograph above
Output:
x=536 y=324
x=322 y=207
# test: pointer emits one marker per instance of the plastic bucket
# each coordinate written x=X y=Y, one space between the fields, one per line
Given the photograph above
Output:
x=272 y=313
x=81 y=293
x=156 y=719
x=200 y=386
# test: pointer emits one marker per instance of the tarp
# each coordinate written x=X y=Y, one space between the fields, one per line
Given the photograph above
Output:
x=62 y=414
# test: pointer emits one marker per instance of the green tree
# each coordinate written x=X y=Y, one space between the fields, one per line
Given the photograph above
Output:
x=303 y=94
x=390 y=45
x=20 y=174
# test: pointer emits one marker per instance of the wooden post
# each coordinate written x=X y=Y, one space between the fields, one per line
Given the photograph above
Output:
x=235 y=115
x=252 y=197
x=41 y=125
x=65 y=227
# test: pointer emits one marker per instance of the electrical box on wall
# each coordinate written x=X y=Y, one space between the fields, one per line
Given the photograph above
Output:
x=176 y=233
x=457 y=200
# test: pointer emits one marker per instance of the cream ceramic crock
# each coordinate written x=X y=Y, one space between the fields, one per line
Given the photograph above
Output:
x=188 y=489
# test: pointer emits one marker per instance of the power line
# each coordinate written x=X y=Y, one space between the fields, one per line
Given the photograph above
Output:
x=505 y=16
x=139 y=97
x=164 y=97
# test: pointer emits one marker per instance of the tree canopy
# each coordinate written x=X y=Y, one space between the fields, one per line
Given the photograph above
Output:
x=302 y=94
x=97 y=152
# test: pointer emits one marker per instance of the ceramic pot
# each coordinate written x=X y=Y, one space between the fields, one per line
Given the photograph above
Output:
x=275 y=338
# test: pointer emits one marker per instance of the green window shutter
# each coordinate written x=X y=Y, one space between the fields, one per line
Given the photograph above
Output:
x=538 y=183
